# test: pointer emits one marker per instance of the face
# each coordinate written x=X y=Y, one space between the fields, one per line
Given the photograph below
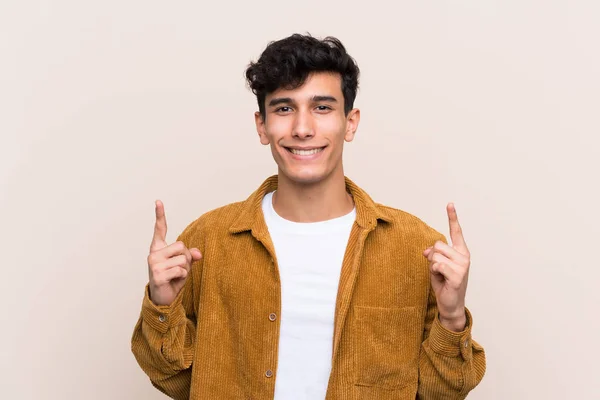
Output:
x=306 y=128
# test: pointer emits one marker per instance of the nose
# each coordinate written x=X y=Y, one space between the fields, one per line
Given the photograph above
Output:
x=303 y=126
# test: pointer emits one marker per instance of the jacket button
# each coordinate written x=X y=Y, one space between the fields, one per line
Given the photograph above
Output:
x=162 y=318
x=269 y=373
x=272 y=317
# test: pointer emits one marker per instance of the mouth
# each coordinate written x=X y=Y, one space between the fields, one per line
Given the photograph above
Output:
x=305 y=152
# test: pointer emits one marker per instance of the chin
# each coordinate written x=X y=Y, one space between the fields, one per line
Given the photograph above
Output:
x=306 y=177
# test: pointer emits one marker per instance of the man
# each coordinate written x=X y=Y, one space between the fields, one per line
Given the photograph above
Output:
x=308 y=289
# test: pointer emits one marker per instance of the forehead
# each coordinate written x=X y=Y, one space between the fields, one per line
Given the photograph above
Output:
x=317 y=83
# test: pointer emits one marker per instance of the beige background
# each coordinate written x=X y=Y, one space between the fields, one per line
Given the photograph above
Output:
x=106 y=106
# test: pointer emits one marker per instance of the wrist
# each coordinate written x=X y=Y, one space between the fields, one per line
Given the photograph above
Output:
x=455 y=323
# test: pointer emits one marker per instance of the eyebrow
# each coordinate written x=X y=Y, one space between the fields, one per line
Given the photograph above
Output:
x=288 y=100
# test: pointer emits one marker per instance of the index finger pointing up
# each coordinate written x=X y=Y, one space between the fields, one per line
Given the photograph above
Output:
x=456 y=235
x=160 y=227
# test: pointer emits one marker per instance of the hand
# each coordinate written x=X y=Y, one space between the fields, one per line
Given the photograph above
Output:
x=449 y=269
x=168 y=265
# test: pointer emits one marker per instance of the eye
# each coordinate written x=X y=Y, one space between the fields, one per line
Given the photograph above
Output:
x=323 y=108
x=283 y=109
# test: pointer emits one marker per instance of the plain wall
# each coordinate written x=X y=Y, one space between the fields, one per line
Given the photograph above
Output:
x=106 y=106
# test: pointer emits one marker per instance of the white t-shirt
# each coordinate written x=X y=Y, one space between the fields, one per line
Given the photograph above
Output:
x=309 y=258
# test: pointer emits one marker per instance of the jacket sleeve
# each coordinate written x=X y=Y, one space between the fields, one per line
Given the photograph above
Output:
x=451 y=364
x=164 y=336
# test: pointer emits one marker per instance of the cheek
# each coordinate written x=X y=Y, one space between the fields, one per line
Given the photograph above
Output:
x=277 y=128
x=332 y=127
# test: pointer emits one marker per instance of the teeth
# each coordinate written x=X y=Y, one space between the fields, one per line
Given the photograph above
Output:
x=306 y=152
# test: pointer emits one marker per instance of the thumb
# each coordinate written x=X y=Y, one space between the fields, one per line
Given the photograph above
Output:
x=196 y=255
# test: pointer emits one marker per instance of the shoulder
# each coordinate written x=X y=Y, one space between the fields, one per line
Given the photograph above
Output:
x=408 y=225
x=215 y=220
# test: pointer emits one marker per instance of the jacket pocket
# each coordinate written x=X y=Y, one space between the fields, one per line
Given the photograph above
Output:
x=386 y=344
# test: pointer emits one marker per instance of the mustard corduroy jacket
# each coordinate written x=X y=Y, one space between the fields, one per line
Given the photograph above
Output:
x=219 y=338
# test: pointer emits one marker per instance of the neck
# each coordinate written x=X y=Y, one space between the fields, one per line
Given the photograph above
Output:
x=315 y=202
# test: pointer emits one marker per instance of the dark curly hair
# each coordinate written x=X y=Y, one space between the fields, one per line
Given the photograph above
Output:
x=286 y=63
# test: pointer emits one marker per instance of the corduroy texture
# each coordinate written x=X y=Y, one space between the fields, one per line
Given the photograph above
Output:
x=216 y=341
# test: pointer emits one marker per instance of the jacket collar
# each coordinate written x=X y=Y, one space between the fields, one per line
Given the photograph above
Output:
x=251 y=218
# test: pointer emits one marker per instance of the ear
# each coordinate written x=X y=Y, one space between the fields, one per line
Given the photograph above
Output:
x=261 y=128
x=352 y=121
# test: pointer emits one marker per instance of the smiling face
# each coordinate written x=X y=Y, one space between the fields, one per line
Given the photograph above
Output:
x=306 y=128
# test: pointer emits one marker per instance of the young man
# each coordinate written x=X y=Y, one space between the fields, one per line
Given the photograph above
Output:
x=308 y=289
